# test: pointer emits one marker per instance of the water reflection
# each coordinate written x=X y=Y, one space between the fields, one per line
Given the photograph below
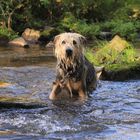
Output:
x=19 y=56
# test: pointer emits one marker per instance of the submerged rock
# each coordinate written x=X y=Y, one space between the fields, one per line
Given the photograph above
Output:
x=50 y=47
x=4 y=84
x=25 y=87
x=19 y=42
x=7 y=132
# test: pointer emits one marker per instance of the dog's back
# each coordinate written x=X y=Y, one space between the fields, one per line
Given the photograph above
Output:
x=91 y=79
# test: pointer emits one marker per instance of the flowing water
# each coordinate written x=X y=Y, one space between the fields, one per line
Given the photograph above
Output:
x=112 y=112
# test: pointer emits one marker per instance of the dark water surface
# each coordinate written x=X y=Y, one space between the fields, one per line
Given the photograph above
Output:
x=112 y=112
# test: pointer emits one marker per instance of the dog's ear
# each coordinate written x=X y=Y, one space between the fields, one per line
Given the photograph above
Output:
x=56 y=38
x=83 y=40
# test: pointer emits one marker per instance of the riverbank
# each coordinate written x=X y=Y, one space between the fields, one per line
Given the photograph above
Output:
x=37 y=54
x=120 y=60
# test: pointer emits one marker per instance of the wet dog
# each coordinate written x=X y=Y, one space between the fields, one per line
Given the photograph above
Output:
x=75 y=74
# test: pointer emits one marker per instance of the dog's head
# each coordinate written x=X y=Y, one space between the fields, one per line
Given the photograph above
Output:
x=69 y=46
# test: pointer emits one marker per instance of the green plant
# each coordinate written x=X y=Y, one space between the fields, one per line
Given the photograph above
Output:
x=90 y=56
x=80 y=26
x=6 y=33
x=127 y=29
x=107 y=55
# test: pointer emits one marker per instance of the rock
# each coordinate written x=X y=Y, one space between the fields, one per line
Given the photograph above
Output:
x=98 y=71
x=4 y=84
x=19 y=42
x=105 y=35
x=4 y=40
x=121 y=74
x=31 y=35
x=50 y=47
x=7 y=132
x=118 y=43
x=116 y=51
x=25 y=87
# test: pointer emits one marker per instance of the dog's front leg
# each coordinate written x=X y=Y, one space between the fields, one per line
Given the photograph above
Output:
x=82 y=94
x=53 y=93
x=83 y=86
x=82 y=90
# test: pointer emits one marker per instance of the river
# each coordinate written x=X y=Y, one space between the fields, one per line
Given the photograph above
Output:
x=112 y=112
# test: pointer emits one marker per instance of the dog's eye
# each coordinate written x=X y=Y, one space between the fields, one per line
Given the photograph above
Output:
x=74 y=42
x=63 y=42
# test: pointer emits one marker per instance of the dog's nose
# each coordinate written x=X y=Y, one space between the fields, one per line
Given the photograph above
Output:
x=69 y=52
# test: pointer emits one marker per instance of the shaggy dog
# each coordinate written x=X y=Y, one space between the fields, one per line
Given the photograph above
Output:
x=75 y=74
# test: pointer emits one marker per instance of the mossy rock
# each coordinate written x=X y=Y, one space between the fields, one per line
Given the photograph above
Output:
x=116 y=51
x=121 y=72
x=118 y=58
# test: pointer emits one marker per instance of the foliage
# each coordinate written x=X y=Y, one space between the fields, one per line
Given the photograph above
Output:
x=7 y=9
x=135 y=65
x=124 y=29
x=110 y=56
x=88 y=17
x=4 y=32
x=80 y=26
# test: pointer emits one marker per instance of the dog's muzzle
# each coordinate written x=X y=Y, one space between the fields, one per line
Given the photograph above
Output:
x=69 y=52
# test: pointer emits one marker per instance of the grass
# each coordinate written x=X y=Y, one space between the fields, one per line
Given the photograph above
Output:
x=126 y=66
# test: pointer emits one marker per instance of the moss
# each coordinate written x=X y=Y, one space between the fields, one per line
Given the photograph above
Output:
x=120 y=62
x=117 y=51
x=126 y=66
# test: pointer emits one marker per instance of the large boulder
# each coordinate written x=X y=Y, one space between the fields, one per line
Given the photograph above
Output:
x=31 y=35
x=121 y=72
x=20 y=41
x=20 y=91
x=116 y=51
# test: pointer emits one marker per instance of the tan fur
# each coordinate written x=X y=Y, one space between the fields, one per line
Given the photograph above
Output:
x=68 y=38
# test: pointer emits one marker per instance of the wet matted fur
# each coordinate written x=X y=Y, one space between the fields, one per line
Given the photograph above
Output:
x=75 y=74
